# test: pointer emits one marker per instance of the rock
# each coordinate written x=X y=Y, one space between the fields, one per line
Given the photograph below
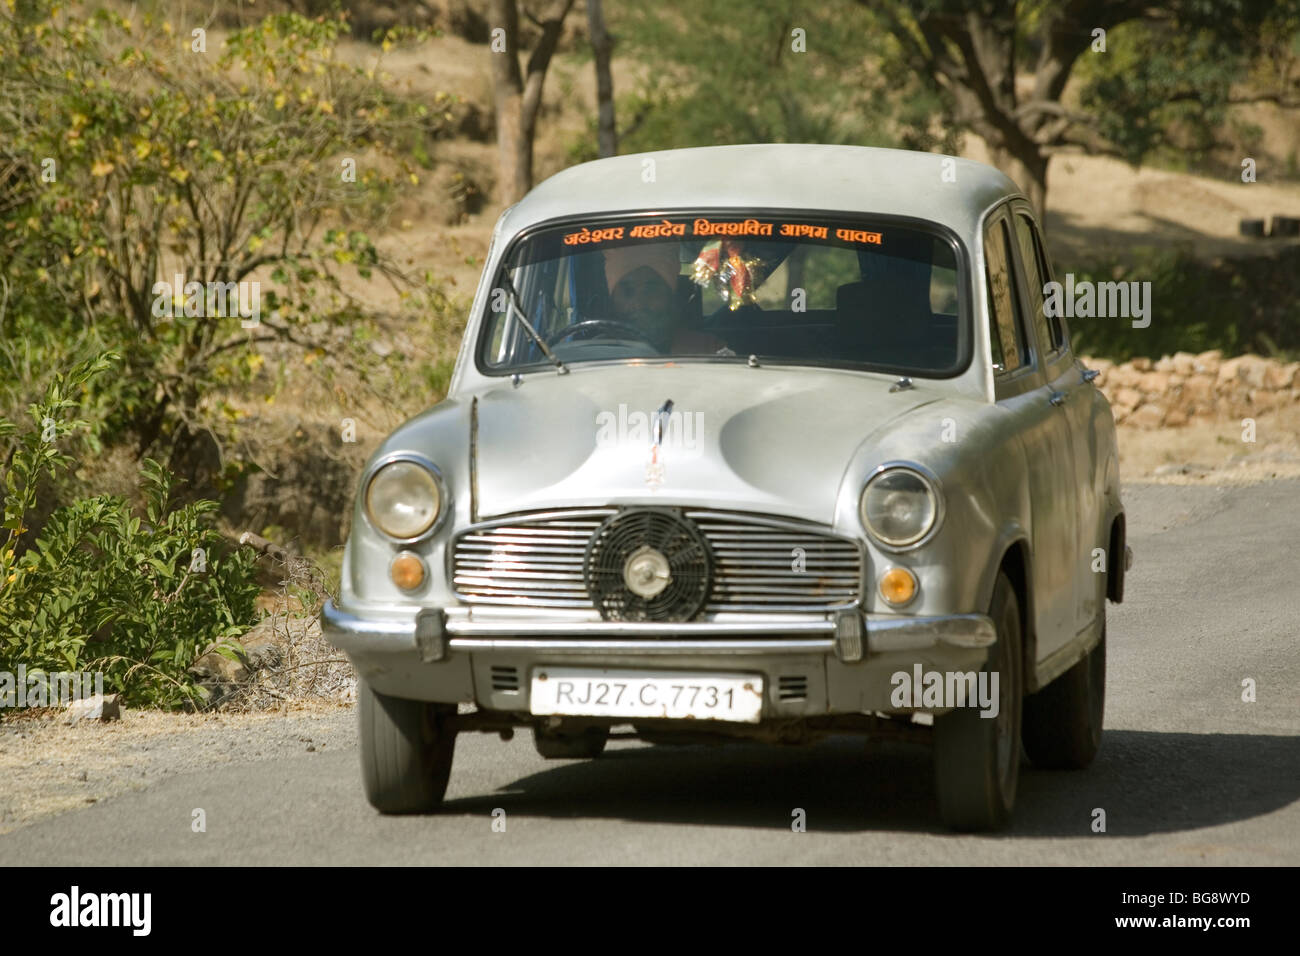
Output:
x=1199 y=388
x=1253 y=370
x=1208 y=362
x=215 y=666
x=1184 y=363
x=1175 y=418
x=1189 y=468
x=1247 y=369
x=1151 y=415
x=1154 y=383
x=264 y=645
x=1141 y=364
x=98 y=707
x=1262 y=400
x=1128 y=398
x=1228 y=370
x=1165 y=364
x=1281 y=376
x=1123 y=376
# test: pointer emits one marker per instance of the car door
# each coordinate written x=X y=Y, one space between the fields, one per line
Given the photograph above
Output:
x=1065 y=378
x=1020 y=387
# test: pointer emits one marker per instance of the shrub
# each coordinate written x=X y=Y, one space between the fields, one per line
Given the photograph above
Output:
x=103 y=589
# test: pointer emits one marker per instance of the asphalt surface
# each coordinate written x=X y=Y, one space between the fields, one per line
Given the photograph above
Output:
x=1188 y=773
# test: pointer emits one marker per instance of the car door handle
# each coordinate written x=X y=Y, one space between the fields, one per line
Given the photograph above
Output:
x=1089 y=374
x=1056 y=398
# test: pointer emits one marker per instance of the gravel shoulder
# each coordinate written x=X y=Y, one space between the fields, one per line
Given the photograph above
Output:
x=50 y=767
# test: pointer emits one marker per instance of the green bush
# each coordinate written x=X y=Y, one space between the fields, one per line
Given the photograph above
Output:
x=129 y=157
x=103 y=589
x=1237 y=305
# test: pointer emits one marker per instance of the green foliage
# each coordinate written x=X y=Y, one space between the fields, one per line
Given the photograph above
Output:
x=1237 y=305
x=103 y=589
x=129 y=157
x=1163 y=88
x=736 y=78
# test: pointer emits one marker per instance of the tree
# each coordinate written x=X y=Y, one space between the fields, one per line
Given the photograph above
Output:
x=602 y=45
x=789 y=73
x=971 y=53
x=518 y=94
x=134 y=157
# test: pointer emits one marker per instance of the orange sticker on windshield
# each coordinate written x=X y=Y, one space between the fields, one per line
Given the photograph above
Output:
x=858 y=235
x=593 y=235
x=803 y=229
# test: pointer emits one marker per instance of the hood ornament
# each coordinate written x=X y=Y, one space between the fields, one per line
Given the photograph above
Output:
x=654 y=469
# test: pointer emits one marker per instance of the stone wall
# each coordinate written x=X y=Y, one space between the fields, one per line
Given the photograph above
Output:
x=1183 y=388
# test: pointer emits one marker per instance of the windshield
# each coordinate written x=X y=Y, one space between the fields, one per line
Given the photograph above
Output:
x=800 y=290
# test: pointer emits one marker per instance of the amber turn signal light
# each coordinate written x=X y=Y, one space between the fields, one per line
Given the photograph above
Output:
x=898 y=586
x=407 y=571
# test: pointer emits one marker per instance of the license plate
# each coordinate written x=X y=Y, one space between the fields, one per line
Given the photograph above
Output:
x=595 y=692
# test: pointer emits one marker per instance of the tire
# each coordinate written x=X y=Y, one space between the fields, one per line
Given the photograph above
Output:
x=583 y=745
x=977 y=759
x=406 y=751
x=1063 y=721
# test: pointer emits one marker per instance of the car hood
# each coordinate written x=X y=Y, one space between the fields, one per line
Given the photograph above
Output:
x=770 y=440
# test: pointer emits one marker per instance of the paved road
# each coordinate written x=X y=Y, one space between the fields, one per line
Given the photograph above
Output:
x=1188 y=772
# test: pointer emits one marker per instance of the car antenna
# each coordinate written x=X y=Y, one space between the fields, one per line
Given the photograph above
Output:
x=528 y=326
x=902 y=385
x=753 y=361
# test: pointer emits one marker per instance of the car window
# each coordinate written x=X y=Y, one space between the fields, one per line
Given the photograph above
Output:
x=1007 y=328
x=801 y=290
x=1047 y=328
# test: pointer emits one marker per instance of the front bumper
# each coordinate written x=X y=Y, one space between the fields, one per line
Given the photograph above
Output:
x=840 y=664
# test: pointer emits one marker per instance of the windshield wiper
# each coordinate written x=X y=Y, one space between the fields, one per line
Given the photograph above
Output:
x=528 y=326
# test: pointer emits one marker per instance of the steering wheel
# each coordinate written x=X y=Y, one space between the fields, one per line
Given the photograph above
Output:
x=592 y=324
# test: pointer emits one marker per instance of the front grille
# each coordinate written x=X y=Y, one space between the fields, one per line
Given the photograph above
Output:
x=759 y=563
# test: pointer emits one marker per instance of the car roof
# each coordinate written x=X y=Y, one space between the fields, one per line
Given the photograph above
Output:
x=856 y=179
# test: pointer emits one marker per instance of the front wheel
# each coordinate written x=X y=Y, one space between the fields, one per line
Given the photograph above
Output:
x=406 y=751
x=977 y=758
x=1063 y=720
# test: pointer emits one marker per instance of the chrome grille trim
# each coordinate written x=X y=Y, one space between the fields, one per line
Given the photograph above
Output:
x=536 y=560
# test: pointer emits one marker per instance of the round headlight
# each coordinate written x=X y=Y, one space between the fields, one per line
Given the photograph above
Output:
x=403 y=499
x=899 y=507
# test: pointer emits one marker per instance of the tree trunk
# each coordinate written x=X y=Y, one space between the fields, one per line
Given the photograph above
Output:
x=1028 y=171
x=518 y=101
x=508 y=94
x=601 y=45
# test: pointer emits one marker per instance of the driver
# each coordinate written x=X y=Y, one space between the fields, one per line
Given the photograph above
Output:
x=642 y=281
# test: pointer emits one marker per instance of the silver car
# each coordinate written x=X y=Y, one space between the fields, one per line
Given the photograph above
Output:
x=769 y=442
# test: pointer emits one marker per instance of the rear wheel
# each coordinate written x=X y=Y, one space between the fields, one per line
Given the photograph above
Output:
x=571 y=745
x=406 y=751
x=977 y=759
x=1063 y=720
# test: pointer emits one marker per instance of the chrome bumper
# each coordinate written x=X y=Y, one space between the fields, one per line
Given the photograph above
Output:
x=850 y=636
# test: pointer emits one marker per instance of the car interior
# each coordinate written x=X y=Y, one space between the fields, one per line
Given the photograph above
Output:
x=884 y=316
